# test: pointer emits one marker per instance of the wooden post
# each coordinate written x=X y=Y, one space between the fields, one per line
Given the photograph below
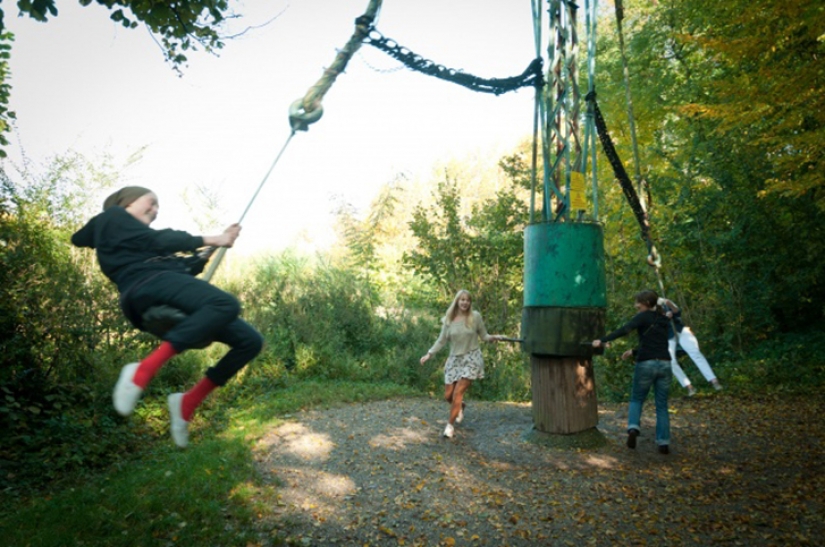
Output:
x=564 y=394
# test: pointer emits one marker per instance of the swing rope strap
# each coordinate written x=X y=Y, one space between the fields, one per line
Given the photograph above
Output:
x=532 y=76
x=213 y=265
x=624 y=181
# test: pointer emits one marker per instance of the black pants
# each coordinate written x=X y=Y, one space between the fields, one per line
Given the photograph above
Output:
x=212 y=314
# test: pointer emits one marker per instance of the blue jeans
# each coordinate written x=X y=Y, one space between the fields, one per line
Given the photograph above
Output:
x=656 y=373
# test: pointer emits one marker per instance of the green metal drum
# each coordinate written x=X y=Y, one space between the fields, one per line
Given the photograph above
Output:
x=564 y=288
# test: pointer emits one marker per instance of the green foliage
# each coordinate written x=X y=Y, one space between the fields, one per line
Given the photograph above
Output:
x=711 y=165
x=788 y=363
x=181 y=26
x=6 y=116
x=482 y=252
x=318 y=322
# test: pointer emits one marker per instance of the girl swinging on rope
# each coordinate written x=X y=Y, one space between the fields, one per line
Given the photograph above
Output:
x=143 y=263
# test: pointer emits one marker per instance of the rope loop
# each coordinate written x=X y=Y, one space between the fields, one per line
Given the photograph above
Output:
x=654 y=259
x=300 y=119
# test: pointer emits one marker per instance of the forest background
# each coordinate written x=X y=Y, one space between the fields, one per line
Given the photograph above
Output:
x=729 y=102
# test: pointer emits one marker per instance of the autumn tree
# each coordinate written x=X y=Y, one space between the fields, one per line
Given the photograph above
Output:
x=731 y=144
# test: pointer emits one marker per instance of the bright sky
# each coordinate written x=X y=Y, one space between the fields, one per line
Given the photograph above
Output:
x=82 y=82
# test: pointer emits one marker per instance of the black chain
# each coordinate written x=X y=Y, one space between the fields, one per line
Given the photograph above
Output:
x=532 y=76
x=621 y=174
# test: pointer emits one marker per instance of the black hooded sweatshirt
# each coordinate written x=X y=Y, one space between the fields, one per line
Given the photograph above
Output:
x=128 y=250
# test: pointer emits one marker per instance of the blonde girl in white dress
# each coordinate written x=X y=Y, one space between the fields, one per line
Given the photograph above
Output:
x=462 y=327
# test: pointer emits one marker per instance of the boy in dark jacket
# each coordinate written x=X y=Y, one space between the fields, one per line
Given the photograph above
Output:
x=144 y=264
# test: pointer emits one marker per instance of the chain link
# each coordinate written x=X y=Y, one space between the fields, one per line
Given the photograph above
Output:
x=532 y=76
x=624 y=180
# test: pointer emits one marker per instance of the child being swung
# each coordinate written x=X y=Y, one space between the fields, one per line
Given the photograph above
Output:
x=144 y=264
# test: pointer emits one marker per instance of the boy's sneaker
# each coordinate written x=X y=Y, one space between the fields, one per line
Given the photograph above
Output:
x=126 y=393
x=716 y=385
x=460 y=417
x=664 y=449
x=691 y=390
x=631 y=438
x=449 y=431
x=178 y=426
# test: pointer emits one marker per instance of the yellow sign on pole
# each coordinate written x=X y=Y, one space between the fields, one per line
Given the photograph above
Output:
x=578 y=199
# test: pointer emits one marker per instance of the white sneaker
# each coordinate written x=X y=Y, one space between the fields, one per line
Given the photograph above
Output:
x=449 y=431
x=126 y=393
x=716 y=385
x=177 y=425
x=691 y=390
x=460 y=417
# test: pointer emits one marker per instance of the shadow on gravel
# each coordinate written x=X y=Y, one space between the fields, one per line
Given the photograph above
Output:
x=381 y=474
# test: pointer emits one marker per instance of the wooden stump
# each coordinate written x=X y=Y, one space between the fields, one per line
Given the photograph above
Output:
x=564 y=394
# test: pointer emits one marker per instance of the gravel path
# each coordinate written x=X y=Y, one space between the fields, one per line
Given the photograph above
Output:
x=380 y=474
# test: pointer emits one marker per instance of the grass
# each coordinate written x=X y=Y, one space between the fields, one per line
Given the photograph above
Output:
x=209 y=494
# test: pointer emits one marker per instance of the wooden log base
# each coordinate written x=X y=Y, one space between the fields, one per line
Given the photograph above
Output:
x=564 y=394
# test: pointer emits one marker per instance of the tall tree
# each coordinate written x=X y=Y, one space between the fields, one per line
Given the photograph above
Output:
x=728 y=148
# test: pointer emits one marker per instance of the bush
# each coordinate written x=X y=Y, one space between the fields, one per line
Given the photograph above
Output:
x=790 y=362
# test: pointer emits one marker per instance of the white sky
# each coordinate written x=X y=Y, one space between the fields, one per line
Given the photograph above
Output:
x=82 y=82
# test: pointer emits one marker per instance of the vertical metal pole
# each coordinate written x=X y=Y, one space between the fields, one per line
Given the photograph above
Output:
x=630 y=117
x=538 y=107
x=590 y=10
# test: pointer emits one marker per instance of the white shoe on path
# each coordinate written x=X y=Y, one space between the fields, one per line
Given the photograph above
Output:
x=177 y=425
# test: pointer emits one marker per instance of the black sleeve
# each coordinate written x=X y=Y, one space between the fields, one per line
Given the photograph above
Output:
x=125 y=231
x=624 y=330
x=172 y=241
x=83 y=237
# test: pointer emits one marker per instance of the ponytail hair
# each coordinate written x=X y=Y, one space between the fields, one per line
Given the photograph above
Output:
x=650 y=299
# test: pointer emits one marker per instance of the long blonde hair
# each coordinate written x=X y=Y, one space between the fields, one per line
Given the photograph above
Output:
x=453 y=310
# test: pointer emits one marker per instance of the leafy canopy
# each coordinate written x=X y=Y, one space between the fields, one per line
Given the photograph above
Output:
x=181 y=26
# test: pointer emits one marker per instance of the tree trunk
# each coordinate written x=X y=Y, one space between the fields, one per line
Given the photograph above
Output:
x=564 y=394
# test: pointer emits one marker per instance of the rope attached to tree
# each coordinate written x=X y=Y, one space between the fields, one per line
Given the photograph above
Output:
x=531 y=77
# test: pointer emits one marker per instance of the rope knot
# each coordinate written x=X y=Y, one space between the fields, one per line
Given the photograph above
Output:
x=300 y=118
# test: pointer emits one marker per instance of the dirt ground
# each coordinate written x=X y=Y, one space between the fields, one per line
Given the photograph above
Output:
x=741 y=472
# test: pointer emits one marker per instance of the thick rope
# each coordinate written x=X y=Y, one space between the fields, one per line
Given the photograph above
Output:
x=311 y=102
x=619 y=170
x=537 y=110
x=308 y=109
x=653 y=258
